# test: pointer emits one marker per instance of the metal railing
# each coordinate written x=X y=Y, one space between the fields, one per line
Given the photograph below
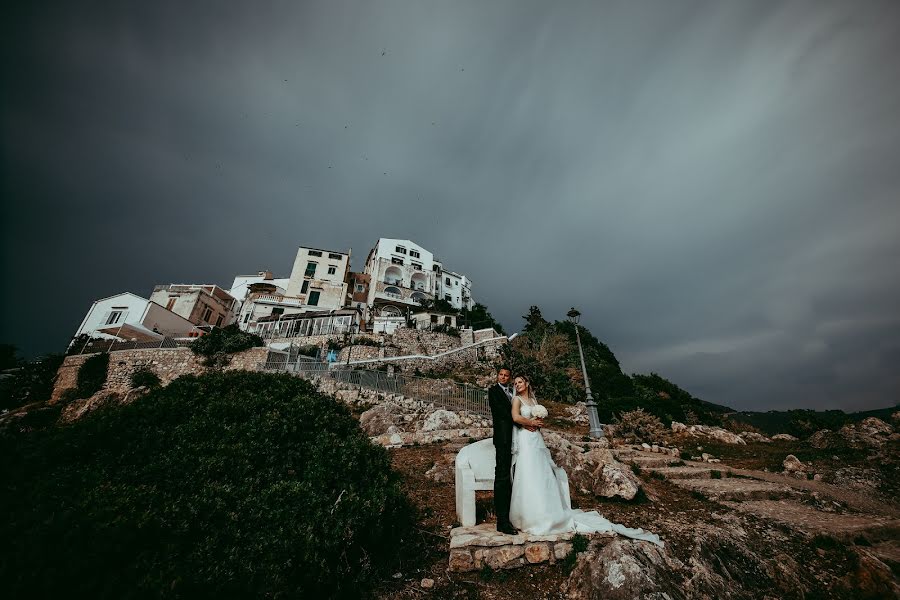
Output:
x=440 y=392
x=98 y=345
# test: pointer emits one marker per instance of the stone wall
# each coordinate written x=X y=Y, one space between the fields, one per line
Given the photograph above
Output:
x=167 y=363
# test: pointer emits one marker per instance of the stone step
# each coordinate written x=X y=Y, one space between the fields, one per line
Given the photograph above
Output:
x=682 y=472
x=650 y=461
x=846 y=527
x=737 y=489
x=473 y=548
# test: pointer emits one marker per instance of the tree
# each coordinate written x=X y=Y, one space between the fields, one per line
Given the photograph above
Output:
x=478 y=317
x=534 y=320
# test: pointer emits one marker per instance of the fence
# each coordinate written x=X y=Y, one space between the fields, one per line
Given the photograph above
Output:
x=99 y=345
x=440 y=392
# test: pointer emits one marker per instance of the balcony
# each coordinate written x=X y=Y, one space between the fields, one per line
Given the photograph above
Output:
x=275 y=299
x=400 y=293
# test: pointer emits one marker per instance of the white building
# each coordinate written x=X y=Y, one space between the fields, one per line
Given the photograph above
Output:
x=319 y=278
x=318 y=282
x=200 y=304
x=403 y=273
x=129 y=317
x=257 y=295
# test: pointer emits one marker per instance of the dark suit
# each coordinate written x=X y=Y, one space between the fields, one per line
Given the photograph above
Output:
x=501 y=412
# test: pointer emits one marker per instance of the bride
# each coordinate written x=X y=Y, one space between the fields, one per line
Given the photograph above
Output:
x=539 y=505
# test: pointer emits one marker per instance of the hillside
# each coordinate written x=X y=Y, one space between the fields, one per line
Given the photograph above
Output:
x=549 y=353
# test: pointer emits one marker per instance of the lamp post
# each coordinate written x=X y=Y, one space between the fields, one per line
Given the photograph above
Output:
x=350 y=340
x=594 y=419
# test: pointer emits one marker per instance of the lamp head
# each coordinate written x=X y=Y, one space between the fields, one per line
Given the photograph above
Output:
x=573 y=315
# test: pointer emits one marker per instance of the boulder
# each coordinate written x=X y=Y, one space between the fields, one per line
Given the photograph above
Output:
x=441 y=419
x=716 y=433
x=792 y=464
x=825 y=438
x=597 y=471
x=784 y=437
x=378 y=419
x=871 y=432
x=752 y=436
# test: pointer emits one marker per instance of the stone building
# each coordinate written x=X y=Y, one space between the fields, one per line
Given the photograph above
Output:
x=200 y=304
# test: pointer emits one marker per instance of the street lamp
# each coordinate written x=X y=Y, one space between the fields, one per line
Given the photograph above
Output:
x=594 y=419
x=349 y=338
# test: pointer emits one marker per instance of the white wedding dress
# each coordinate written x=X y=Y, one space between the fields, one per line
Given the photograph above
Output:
x=539 y=505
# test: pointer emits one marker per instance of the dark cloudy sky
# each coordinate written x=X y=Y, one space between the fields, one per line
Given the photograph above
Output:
x=713 y=184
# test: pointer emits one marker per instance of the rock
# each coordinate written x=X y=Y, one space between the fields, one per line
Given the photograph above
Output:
x=393 y=429
x=646 y=447
x=706 y=456
x=654 y=448
x=615 y=480
x=622 y=570
x=752 y=436
x=825 y=439
x=461 y=561
x=427 y=583
x=596 y=471
x=379 y=418
x=536 y=553
x=792 y=464
x=504 y=557
x=561 y=550
x=441 y=419
x=868 y=433
x=678 y=427
x=443 y=471
x=784 y=437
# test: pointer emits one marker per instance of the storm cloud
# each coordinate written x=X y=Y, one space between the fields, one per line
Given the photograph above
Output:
x=713 y=184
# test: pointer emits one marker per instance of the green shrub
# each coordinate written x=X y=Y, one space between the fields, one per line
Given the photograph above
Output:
x=227 y=485
x=640 y=426
x=92 y=375
x=308 y=350
x=144 y=377
x=715 y=474
x=216 y=345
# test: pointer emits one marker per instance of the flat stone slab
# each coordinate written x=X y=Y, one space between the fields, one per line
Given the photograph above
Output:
x=410 y=438
x=804 y=518
x=472 y=548
x=737 y=489
x=648 y=461
x=683 y=472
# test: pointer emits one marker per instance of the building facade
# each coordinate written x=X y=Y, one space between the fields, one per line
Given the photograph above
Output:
x=199 y=304
x=127 y=316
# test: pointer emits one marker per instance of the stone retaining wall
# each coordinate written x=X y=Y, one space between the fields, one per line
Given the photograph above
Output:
x=167 y=363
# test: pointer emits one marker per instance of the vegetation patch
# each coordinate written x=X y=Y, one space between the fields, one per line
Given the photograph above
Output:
x=92 y=375
x=228 y=485
x=144 y=377
x=30 y=381
x=218 y=344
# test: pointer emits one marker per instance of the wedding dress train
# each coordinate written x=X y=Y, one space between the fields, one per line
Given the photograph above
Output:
x=540 y=506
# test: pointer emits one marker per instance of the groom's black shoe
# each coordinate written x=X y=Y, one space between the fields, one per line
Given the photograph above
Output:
x=507 y=529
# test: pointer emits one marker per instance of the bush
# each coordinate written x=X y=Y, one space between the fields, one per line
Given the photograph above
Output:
x=447 y=329
x=32 y=382
x=144 y=377
x=222 y=341
x=640 y=426
x=92 y=375
x=308 y=350
x=228 y=485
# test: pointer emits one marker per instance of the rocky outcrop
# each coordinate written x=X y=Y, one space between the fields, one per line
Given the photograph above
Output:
x=784 y=437
x=752 y=436
x=596 y=471
x=708 y=431
x=378 y=419
x=792 y=464
x=441 y=419
x=578 y=413
x=870 y=433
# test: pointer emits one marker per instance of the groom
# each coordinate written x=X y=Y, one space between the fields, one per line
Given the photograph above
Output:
x=500 y=399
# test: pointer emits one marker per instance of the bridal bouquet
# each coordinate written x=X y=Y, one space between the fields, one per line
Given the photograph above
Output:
x=539 y=411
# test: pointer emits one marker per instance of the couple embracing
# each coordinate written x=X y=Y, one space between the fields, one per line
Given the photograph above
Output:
x=527 y=495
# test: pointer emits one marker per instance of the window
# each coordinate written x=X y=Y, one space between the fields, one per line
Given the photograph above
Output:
x=305 y=287
x=310 y=269
x=334 y=256
x=219 y=321
x=448 y=298
x=246 y=317
x=456 y=283
x=171 y=302
x=400 y=250
x=360 y=287
x=279 y=310
x=396 y=261
x=315 y=253
x=314 y=298
x=447 y=280
x=436 y=268
x=113 y=317
x=207 y=314
x=417 y=266
x=414 y=253
x=393 y=290
x=332 y=269
x=434 y=318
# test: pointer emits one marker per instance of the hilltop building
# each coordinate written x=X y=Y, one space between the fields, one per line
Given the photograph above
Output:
x=127 y=316
x=200 y=304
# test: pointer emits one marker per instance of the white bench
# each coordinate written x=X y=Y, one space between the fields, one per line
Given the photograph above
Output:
x=475 y=466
